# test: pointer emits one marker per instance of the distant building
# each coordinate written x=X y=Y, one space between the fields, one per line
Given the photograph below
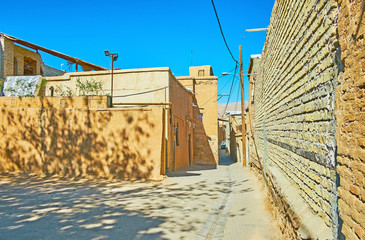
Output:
x=18 y=59
x=204 y=85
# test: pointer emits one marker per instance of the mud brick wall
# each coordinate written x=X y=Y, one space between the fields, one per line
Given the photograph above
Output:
x=79 y=137
x=295 y=100
x=350 y=117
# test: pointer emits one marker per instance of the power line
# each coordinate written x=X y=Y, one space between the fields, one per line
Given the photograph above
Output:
x=230 y=91
x=220 y=27
x=219 y=91
x=139 y=93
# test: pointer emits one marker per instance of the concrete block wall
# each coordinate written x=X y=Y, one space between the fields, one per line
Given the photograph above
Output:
x=350 y=117
x=295 y=99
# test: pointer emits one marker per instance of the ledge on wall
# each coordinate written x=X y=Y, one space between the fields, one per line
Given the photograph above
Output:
x=309 y=225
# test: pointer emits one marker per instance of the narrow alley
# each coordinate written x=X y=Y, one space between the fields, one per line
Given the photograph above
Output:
x=226 y=202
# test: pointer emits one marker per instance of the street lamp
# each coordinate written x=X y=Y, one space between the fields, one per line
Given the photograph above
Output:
x=257 y=29
x=114 y=58
x=227 y=73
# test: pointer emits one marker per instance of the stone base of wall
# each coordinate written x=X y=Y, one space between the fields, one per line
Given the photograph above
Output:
x=295 y=219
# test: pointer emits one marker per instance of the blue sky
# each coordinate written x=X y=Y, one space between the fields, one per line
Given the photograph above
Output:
x=145 y=33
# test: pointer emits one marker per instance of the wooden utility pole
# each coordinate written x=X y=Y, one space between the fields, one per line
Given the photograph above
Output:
x=242 y=112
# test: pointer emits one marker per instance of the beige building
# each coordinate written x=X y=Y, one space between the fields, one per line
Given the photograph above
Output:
x=234 y=136
x=155 y=123
x=204 y=85
x=144 y=88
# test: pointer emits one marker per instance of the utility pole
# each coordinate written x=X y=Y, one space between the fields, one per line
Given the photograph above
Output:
x=242 y=112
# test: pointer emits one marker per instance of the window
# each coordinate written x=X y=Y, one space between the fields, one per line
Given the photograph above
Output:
x=30 y=66
x=200 y=73
x=177 y=134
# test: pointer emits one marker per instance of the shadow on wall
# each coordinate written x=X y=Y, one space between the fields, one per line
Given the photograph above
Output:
x=77 y=142
x=203 y=153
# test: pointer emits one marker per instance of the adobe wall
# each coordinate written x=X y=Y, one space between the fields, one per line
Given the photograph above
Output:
x=350 y=117
x=127 y=84
x=205 y=113
x=294 y=120
x=235 y=137
x=149 y=85
x=80 y=137
x=183 y=120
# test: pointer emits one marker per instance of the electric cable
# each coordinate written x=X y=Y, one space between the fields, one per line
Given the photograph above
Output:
x=238 y=95
x=220 y=27
x=133 y=94
x=219 y=91
x=230 y=91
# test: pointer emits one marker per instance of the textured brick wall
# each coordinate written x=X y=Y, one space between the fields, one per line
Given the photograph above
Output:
x=6 y=57
x=295 y=99
x=350 y=117
x=253 y=158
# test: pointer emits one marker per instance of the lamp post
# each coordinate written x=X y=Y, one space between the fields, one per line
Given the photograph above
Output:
x=114 y=57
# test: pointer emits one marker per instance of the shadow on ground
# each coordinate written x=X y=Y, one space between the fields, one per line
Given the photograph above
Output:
x=53 y=208
x=192 y=170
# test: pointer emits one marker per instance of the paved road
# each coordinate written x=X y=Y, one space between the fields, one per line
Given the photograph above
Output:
x=197 y=203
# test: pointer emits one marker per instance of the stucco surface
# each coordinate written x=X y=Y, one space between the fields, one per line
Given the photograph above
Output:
x=205 y=112
x=79 y=136
x=149 y=85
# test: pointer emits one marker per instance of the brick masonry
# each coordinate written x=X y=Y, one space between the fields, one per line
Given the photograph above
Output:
x=350 y=117
x=294 y=117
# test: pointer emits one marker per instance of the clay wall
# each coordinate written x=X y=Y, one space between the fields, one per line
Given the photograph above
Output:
x=80 y=137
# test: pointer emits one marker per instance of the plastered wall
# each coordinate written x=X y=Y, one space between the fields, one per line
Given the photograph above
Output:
x=205 y=113
x=150 y=85
x=181 y=145
x=80 y=137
